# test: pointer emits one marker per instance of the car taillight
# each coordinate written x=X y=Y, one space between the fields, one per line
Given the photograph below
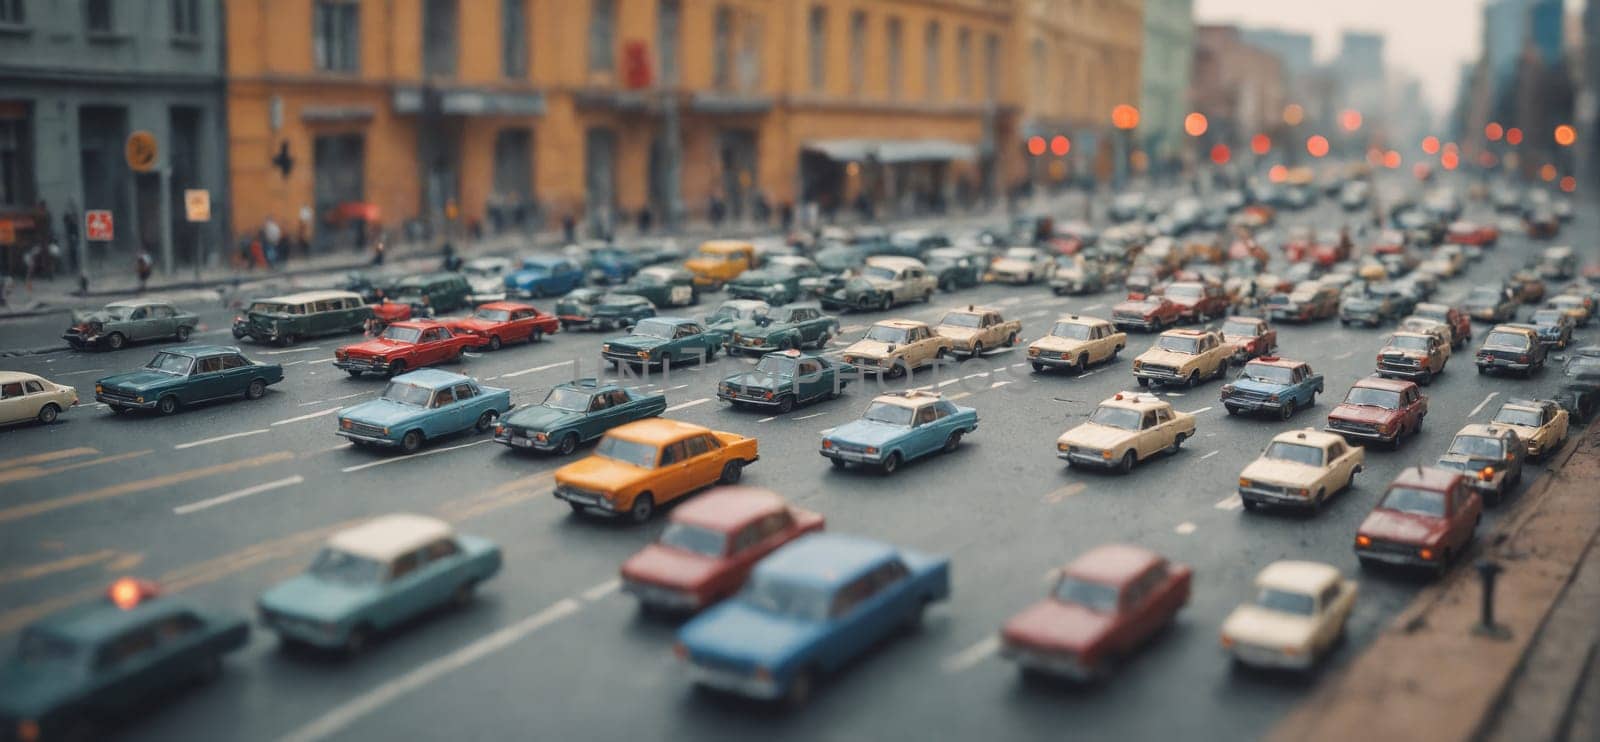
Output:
x=1363 y=541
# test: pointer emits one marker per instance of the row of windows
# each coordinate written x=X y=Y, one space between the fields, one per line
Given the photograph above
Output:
x=894 y=33
x=100 y=16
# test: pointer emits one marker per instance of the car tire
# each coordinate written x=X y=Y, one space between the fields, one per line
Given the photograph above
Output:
x=116 y=340
x=485 y=421
x=891 y=463
x=396 y=368
x=799 y=691
x=1287 y=410
x=953 y=442
x=1248 y=504
x=642 y=508
x=1037 y=366
x=838 y=463
x=1231 y=409
x=358 y=640
x=1427 y=378
x=167 y=405
x=117 y=409
x=1193 y=380
x=1082 y=366
x=48 y=413
x=977 y=350
x=785 y=404
x=256 y=390
x=1143 y=382
x=183 y=333
x=494 y=342
x=898 y=369
x=354 y=373
x=732 y=472
x=823 y=340
x=411 y=442
x=1127 y=462
x=287 y=340
x=1177 y=444
x=462 y=596
x=886 y=303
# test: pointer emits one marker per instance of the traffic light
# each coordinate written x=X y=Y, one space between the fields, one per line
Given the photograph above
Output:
x=283 y=161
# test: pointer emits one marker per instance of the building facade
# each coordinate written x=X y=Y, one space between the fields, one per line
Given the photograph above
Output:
x=1239 y=87
x=79 y=79
x=1164 y=71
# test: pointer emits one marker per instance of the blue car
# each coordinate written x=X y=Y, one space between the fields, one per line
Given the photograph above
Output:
x=421 y=406
x=612 y=265
x=544 y=276
x=810 y=608
x=897 y=428
x=1275 y=385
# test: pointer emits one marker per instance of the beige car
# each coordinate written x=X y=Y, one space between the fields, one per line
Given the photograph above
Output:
x=897 y=346
x=1430 y=326
x=1184 y=357
x=25 y=397
x=1415 y=356
x=974 y=329
x=1125 y=430
x=1299 y=614
x=1301 y=469
x=1542 y=424
x=1075 y=342
x=1021 y=265
x=901 y=279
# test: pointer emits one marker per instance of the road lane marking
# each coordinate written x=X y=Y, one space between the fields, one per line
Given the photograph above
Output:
x=1174 y=394
x=1008 y=301
x=34 y=472
x=967 y=658
x=825 y=431
x=535 y=369
x=1482 y=404
x=1185 y=528
x=332 y=448
x=294 y=363
x=999 y=384
x=1039 y=313
x=1093 y=307
x=1231 y=502
x=306 y=349
x=311 y=416
x=80 y=373
x=220 y=438
x=127 y=488
x=48 y=456
x=688 y=404
x=948 y=382
x=319 y=360
x=808 y=417
x=1065 y=492
x=1344 y=355
x=1209 y=455
x=961 y=395
x=236 y=494
x=34 y=571
x=414 y=456
x=852 y=328
x=603 y=589
x=345 y=714
x=676 y=388
x=1199 y=411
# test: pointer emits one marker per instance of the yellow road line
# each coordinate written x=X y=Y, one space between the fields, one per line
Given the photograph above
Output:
x=34 y=472
x=40 y=458
x=127 y=488
x=1065 y=492
x=35 y=571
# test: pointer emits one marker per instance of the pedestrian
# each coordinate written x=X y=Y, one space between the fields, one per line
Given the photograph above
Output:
x=31 y=262
x=377 y=251
x=272 y=237
x=69 y=229
x=258 y=254
x=646 y=219
x=143 y=265
x=302 y=231
x=569 y=229
x=53 y=258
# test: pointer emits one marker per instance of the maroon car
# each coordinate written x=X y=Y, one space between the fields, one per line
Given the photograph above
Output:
x=1148 y=312
x=1426 y=517
x=709 y=546
x=1198 y=300
x=1251 y=337
x=402 y=347
x=1106 y=603
x=1379 y=410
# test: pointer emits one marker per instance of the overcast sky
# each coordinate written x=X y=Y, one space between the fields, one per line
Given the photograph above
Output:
x=1428 y=38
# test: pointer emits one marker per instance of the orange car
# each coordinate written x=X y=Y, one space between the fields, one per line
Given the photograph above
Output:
x=651 y=462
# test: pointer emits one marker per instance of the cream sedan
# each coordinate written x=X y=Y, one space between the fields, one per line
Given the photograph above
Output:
x=25 y=398
x=1299 y=613
x=1302 y=469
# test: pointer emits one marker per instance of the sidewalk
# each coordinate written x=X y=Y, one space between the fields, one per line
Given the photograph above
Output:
x=1429 y=676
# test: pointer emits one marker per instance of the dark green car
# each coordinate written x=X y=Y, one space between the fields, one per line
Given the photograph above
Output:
x=664 y=286
x=186 y=376
x=778 y=282
x=785 y=379
x=434 y=293
x=285 y=319
x=573 y=413
x=735 y=311
x=664 y=340
x=954 y=268
x=783 y=328
x=616 y=310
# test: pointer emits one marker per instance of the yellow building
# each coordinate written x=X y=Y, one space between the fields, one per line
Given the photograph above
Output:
x=505 y=111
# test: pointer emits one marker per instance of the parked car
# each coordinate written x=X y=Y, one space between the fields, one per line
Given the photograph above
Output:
x=25 y=397
x=497 y=323
x=1250 y=337
x=783 y=328
x=1075 y=341
x=1021 y=266
x=1580 y=384
x=187 y=376
x=423 y=406
x=1272 y=384
x=664 y=286
x=1426 y=518
x=974 y=329
x=885 y=282
x=777 y=282
x=1146 y=312
x=1554 y=327
x=1300 y=469
x=717 y=262
x=1125 y=430
x=1076 y=275
x=487 y=277
x=403 y=346
x=1491 y=304
x=785 y=379
x=1369 y=306
x=1511 y=347
x=575 y=412
x=734 y=312
x=286 y=319
x=664 y=340
x=897 y=428
x=1298 y=615
x=122 y=322
x=1540 y=423
x=1185 y=357
x=544 y=276
x=954 y=268
x=1308 y=301
x=1459 y=323
x=1492 y=456
x=642 y=465
x=896 y=347
x=1379 y=410
x=614 y=309
x=434 y=293
x=1417 y=356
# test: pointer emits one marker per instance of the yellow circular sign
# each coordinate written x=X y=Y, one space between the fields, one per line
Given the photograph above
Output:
x=141 y=151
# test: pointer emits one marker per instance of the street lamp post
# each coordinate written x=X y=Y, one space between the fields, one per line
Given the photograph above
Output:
x=1125 y=119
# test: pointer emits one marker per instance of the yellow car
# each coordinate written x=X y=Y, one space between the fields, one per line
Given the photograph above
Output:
x=1573 y=306
x=1298 y=615
x=25 y=398
x=1075 y=342
x=720 y=261
x=1300 y=468
x=1542 y=424
x=1416 y=356
x=645 y=464
x=1124 y=430
x=973 y=329
x=1184 y=357
x=897 y=347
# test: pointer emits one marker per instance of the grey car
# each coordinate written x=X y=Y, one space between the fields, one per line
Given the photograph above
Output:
x=122 y=322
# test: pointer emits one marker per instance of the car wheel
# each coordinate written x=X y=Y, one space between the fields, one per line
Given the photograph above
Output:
x=1194 y=379
x=1127 y=462
x=823 y=340
x=116 y=340
x=898 y=369
x=48 y=413
x=354 y=374
x=644 y=506
x=1286 y=411
x=799 y=690
x=1037 y=366
x=953 y=442
x=1248 y=504
x=117 y=409
x=411 y=441
x=732 y=472
x=183 y=333
x=494 y=342
x=397 y=368
x=891 y=464
x=287 y=340
x=1177 y=444
x=838 y=463
x=977 y=350
x=485 y=421
x=1427 y=378
x=536 y=336
x=1143 y=382
x=886 y=303
x=209 y=670
x=462 y=596
x=785 y=404
x=256 y=390
x=1083 y=363
x=167 y=405
x=864 y=304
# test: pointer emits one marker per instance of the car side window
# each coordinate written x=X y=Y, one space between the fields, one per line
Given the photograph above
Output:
x=695 y=446
x=673 y=453
x=234 y=360
x=405 y=564
x=851 y=595
x=210 y=365
x=32 y=387
x=926 y=414
x=747 y=537
x=891 y=572
x=1163 y=417
x=1336 y=450
x=14 y=389
x=598 y=402
x=1299 y=374
x=465 y=391
x=177 y=626
x=711 y=442
x=140 y=313
x=810 y=368
x=443 y=397
x=617 y=397
x=128 y=645
x=1149 y=420
x=775 y=524
x=1329 y=594
x=429 y=336
x=441 y=549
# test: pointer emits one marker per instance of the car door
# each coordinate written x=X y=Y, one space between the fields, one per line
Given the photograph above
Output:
x=811 y=380
x=674 y=476
x=1152 y=437
x=443 y=414
x=14 y=405
x=207 y=380
x=120 y=667
x=435 y=346
x=928 y=434
x=440 y=571
x=140 y=324
x=468 y=406
x=164 y=320
x=705 y=460
x=407 y=592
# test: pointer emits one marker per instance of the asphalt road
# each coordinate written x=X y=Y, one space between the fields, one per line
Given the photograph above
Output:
x=220 y=502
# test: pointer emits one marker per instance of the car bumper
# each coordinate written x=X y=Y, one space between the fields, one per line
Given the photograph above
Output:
x=1502 y=363
x=1363 y=435
x=370 y=440
x=1138 y=324
x=1012 y=278
x=1404 y=372
x=1053 y=361
x=525 y=443
x=737 y=683
x=1289 y=315
x=1159 y=377
x=1252 y=405
x=1396 y=558
x=1060 y=664
x=632 y=358
x=742 y=399
x=1275 y=498
x=1366 y=318
x=591 y=503
x=1265 y=657
x=750 y=348
x=1087 y=458
x=365 y=366
x=304 y=630
x=659 y=596
x=83 y=341
x=854 y=457
x=119 y=401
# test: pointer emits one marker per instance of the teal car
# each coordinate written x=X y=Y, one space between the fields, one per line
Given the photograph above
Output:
x=664 y=341
x=421 y=406
x=573 y=413
x=955 y=268
x=76 y=671
x=784 y=328
x=777 y=282
x=187 y=376
x=734 y=312
x=897 y=428
x=664 y=286
x=620 y=310
x=375 y=577
x=783 y=380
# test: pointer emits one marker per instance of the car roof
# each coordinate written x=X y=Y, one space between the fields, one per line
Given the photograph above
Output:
x=656 y=431
x=7 y=377
x=388 y=536
x=1410 y=334
x=507 y=305
x=305 y=296
x=973 y=309
x=1275 y=361
x=1244 y=318
x=1378 y=382
x=894 y=261
x=1187 y=332
x=725 y=245
x=1298 y=576
x=743 y=303
x=1136 y=401
x=1426 y=477
x=1112 y=564
x=1078 y=319
x=1308 y=436
x=903 y=324
x=664 y=270
x=201 y=350
x=543 y=260
x=590 y=385
x=1513 y=327
x=1485 y=430
x=826 y=560
x=136 y=303
x=727 y=509
x=911 y=398
x=669 y=320
x=99 y=619
x=432 y=378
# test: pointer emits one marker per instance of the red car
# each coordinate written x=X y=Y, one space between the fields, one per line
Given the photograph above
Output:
x=1146 y=312
x=1251 y=337
x=1331 y=248
x=1389 y=242
x=1379 y=410
x=403 y=346
x=1298 y=246
x=500 y=322
x=1198 y=300
x=709 y=546
x=1426 y=517
x=1105 y=604
x=1460 y=324
x=1246 y=248
x=1471 y=233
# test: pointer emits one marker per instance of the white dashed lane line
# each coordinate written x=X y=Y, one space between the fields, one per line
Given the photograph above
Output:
x=418 y=455
x=1482 y=404
x=971 y=656
x=237 y=494
x=311 y=416
x=219 y=439
x=1231 y=502
x=689 y=403
x=1209 y=455
x=306 y=349
x=1185 y=528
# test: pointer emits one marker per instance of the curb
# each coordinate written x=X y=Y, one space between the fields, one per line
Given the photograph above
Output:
x=35 y=312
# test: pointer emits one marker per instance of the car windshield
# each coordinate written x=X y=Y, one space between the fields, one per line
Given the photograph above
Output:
x=886 y=334
x=1476 y=447
x=401 y=334
x=260 y=307
x=483 y=270
x=1547 y=317
x=38 y=647
x=535 y=268
x=648 y=278
x=1268 y=374
x=1116 y=417
x=1412 y=500
x=341 y=566
x=655 y=329
x=1298 y=453
x=1179 y=343
x=493 y=315
x=776 y=366
x=781 y=597
x=713 y=257
x=1240 y=327
x=1286 y=601
x=1092 y=595
x=694 y=539
x=614 y=300
x=1369 y=397
x=878 y=272
x=1514 y=340
x=889 y=414
x=1070 y=331
x=1408 y=342
x=1583 y=367
x=961 y=319
x=407 y=394
x=1518 y=416
x=170 y=363
x=642 y=455
x=735 y=312
x=1566 y=302
x=566 y=399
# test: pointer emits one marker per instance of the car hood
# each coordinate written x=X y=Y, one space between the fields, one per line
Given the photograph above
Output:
x=376 y=347
x=474 y=323
x=756 y=329
x=521 y=277
x=737 y=632
x=957 y=333
x=1406 y=528
x=1361 y=303
x=602 y=474
x=1363 y=413
x=1054 y=625
x=1257 y=625
x=1469 y=464
x=756 y=278
x=1094 y=435
x=540 y=418
x=668 y=567
x=1055 y=343
x=381 y=412
x=636 y=342
x=138 y=380
x=1278 y=471
x=1166 y=357
x=867 y=433
x=1260 y=387
x=28 y=692
x=868 y=348
x=757 y=380
x=311 y=597
x=1011 y=265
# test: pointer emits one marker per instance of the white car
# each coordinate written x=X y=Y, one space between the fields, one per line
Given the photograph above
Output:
x=487 y=278
x=1299 y=613
x=25 y=398
x=1021 y=265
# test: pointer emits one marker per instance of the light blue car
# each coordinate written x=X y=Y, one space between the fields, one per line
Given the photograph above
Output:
x=897 y=428
x=544 y=276
x=421 y=406
x=375 y=577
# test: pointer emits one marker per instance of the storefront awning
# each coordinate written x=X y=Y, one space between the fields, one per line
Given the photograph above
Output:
x=893 y=150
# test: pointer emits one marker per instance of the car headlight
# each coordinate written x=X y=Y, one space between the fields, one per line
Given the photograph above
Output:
x=827 y=444
x=541 y=437
x=606 y=348
x=1383 y=428
x=345 y=423
x=1062 y=447
x=98 y=389
x=644 y=354
x=139 y=399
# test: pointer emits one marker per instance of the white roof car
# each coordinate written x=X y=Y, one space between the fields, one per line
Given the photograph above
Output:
x=386 y=537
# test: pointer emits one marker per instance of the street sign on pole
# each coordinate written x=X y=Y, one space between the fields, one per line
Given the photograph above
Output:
x=98 y=226
x=197 y=204
x=141 y=151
